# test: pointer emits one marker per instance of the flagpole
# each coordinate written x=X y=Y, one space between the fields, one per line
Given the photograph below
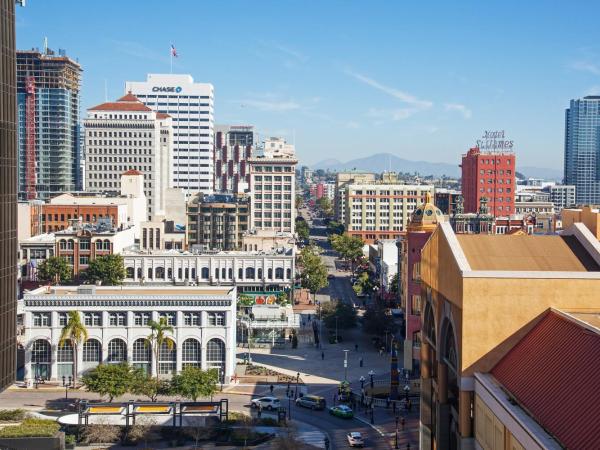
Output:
x=171 y=53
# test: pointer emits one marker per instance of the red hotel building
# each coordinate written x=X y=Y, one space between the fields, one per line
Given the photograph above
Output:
x=490 y=175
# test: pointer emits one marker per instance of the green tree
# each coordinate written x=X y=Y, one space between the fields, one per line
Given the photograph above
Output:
x=75 y=333
x=144 y=384
x=55 y=269
x=299 y=201
x=302 y=229
x=349 y=247
x=313 y=275
x=344 y=312
x=158 y=337
x=112 y=380
x=334 y=227
x=376 y=321
x=108 y=269
x=324 y=204
x=193 y=382
x=363 y=284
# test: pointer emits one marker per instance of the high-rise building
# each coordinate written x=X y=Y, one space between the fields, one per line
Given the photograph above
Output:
x=190 y=106
x=341 y=180
x=381 y=210
x=127 y=135
x=489 y=174
x=233 y=146
x=49 y=129
x=563 y=196
x=8 y=196
x=273 y=187
x=582 y=149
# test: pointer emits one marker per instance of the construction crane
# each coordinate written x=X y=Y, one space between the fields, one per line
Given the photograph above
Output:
x=30 y=131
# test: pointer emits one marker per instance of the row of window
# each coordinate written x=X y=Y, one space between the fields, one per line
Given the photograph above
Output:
x=270 y=178
x=119 y=319
x=491 y=172
x=84 y=244
x=223 y=273
x=259 y=169
x=269 y=224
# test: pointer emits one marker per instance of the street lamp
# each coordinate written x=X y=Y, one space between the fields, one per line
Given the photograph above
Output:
x=396 y=444
x=346 y=365
x=67 y=384
x=362 y=382
x=371 y=373
x=406 y=391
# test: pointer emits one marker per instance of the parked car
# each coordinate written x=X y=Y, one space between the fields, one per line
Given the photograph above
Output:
x=343 y=411
x=355 y=439
x=269 y=403
x=311 y=401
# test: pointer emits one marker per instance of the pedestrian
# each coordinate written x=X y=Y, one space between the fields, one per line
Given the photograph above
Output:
x=326 y=443
x=402 y=422
x=259 y=411
x=356 y=347
x=387 y=403
x=334 y=399
x=360 y=362
x=409 y=405
x=322 y=356
x=271 y=389
x=381 y=351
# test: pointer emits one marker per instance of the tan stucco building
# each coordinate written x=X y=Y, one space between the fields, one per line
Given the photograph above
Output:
x=588 y=215
x=481 y=295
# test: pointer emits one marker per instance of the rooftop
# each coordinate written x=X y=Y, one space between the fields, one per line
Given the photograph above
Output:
x=173 y=252
x=128 y=102
x=65 y=291
x=526 y=253
x=565 y=399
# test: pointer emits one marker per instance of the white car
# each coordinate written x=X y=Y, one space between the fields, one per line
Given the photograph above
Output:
x=355 y=439
x=269 y=403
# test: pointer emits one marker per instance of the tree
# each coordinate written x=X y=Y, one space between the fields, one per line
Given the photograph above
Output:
x=334 y=227
x=55 y=269
x=302 y=229
x=314 y=273
x=299 y=201
x=349 y=247
x=144 y=384
x=108 y=269
x=363 y=284
x=112 y=380
x=158 y=337
x=76 y=334
x=324 y=204
x=377 y=321
x=344 y=312
x=193 y=382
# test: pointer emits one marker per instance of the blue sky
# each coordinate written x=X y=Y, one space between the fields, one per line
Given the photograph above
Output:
x=346 y=79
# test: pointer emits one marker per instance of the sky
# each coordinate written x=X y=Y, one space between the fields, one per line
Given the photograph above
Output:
x=347 y=79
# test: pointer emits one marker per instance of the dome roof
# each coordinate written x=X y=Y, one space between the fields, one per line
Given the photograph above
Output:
x=426 y=217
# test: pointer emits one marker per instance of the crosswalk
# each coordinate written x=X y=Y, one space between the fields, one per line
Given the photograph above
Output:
x=314 y=438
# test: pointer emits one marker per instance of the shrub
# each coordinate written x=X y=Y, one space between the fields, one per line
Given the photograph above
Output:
x=70 y=439
x=12 y=415
x=268 y=422
x=100 y=434
x=31 y=428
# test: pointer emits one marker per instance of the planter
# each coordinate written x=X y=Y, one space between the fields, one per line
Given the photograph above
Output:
x=56 y=442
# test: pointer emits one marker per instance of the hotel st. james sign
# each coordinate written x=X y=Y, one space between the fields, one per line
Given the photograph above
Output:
x=494 y=141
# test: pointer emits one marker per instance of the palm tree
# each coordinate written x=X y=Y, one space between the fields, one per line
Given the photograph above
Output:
x=158 y=336
x=76 y=334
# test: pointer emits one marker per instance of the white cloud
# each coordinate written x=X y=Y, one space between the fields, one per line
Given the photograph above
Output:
x=392 y=92
x=395 y=114
x=586 y=66
x=270 y=105
x=466 y=112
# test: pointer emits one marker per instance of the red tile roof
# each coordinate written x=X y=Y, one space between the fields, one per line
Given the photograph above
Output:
x=160 y=115
x=133 y=172
x=129 y=97
x=128 y=102
x=554 y=373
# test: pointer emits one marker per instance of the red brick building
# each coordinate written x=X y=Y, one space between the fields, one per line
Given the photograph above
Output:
x=490 y=175
x=57 y=217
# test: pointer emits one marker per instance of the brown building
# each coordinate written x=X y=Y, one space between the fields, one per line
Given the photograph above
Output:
x=58 y=217
x=8 y=195
x=481 y=295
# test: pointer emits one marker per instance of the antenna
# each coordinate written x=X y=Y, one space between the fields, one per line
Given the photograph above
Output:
x=45 y=45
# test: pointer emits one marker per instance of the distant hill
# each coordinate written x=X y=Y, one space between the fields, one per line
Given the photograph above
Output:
x=381 y=162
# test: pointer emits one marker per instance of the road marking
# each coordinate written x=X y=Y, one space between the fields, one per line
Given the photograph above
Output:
x=366 y=422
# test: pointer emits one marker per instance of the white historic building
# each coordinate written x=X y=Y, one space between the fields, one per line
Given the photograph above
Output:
x=249 y=271
x=116 y=318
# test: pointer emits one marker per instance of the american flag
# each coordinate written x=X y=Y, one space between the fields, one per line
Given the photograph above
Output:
x=174 y=51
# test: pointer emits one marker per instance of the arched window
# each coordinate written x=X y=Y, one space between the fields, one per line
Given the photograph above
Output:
x=130 y=272
x=142 y=355
x=260 y=274
x=167 y=357
x=288 y=274
x=160 y=273
x=99 y=245
x=41 y=357
x=91 y=353
x=230 y=273
x=215 y=356
x=70 y=244
x=106 y=244
x=429 y=324
x=117 y=351
x=191 y=353
x=279 y=273
x=64 y=359
x=249 y=273
x=139 y=273
x=223 y=272
x=63 y=244
x=205 y=273
x=240 y=273
x=150 y=277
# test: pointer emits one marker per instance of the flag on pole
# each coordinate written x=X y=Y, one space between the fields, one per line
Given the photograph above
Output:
x=174 y=51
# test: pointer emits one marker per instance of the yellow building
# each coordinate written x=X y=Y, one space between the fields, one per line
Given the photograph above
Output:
x=587 y=215
x=481 y=295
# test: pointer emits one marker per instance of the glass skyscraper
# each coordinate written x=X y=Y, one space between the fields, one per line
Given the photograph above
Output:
x=582 y=149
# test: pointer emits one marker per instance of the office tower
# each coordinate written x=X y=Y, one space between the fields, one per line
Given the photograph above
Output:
x=563 y=196
x=341 y=180
x=233 y=146
x=190 y=106
x=124 y=136
x=273 y=187
x=381 y=210
x=48 y=116
x=217 y=222
x=8 y=196
x=489 y=174
x=582 y=149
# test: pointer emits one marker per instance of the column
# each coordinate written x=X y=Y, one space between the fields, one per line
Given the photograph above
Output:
x=442 y=379
x=53 y=361
x=178 y=341
x=425 y=360
x=465 y=405
x=79 y=365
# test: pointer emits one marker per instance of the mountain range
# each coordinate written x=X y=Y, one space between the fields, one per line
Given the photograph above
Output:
x=381 y=162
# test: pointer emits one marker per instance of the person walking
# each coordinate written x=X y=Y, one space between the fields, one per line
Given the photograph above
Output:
x=271 y=389
x=322 y=356
x=356 y=347
x=360 y=362
x=402 y=422
x=259 y=411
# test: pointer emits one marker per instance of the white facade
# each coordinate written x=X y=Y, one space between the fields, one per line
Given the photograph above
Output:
x=563 y=196
x=273 y=188
x=523 y=208
x=126 y=135
x=204 y=322
x=191 y=107
x=388 y=260
x=276 y=147
x=246 y=270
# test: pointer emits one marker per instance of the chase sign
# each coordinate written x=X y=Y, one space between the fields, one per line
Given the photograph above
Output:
x=166 y=89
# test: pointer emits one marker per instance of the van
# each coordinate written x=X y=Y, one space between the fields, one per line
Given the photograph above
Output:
x=311 y=401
